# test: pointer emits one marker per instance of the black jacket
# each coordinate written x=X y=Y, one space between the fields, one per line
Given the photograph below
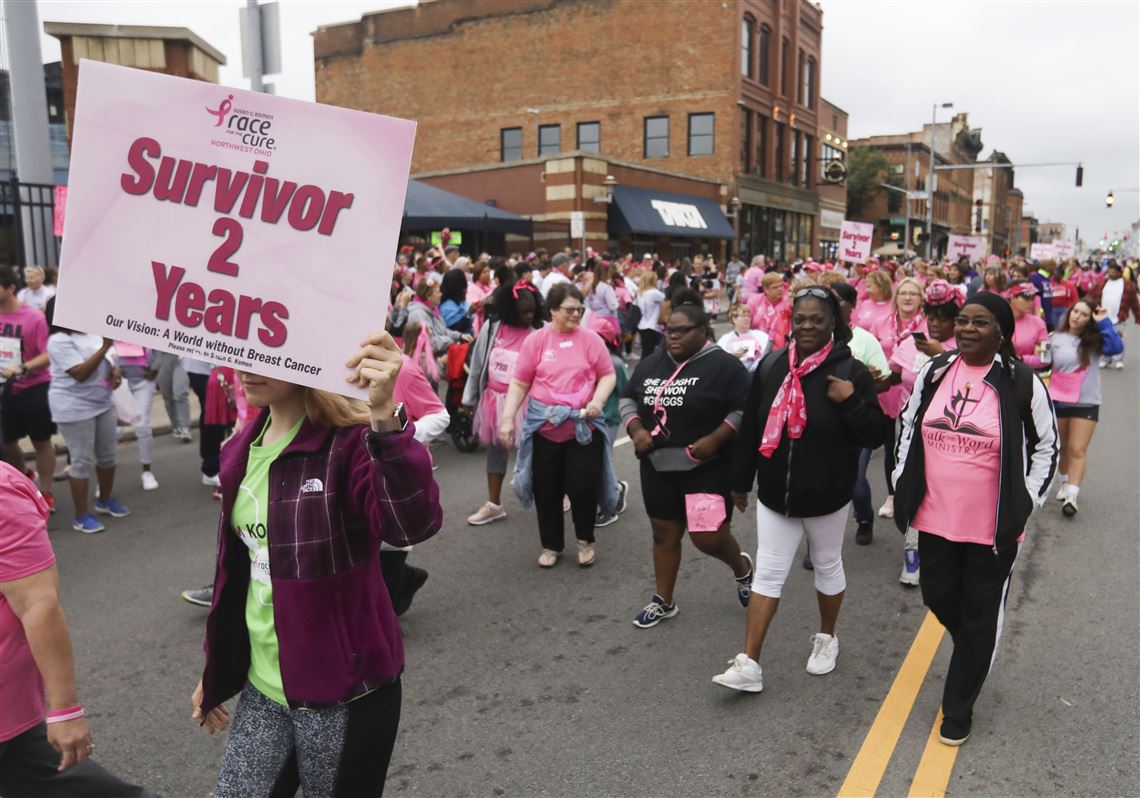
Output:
x=814 y=474
x=1028 y=445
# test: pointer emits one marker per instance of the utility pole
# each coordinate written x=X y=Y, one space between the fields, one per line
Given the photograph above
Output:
x=930 y=184
x=906 y=202
x=253 y=31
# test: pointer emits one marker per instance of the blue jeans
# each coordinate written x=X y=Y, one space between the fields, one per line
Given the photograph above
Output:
x=861 y=498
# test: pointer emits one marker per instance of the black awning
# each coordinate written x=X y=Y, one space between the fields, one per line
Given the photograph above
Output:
x=639 y=210
x=430 y=208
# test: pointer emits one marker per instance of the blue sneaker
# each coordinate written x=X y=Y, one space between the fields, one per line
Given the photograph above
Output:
x=655 y=612
x=87 y=524
x=111 y=507
x=744 y=583
x=910 y=567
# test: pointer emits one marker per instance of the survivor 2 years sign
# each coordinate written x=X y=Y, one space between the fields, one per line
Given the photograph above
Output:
x=241 y=228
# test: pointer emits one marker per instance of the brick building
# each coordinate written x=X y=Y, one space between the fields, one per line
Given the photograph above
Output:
x=533 y=104
x=908 y=164
x=1048 y=232
x=1015 y=205
x=993 y=216
x=172 y=51
x=832 y=195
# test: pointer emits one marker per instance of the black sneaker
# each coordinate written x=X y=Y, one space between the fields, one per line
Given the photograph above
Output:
x=865 y=533
x=623 y=492
x=807 y=561
x=954 y=732
x=744 y=583
x=414 y=579
x=203 y=596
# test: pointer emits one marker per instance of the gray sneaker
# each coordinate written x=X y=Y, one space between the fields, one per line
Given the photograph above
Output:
x=203 y=596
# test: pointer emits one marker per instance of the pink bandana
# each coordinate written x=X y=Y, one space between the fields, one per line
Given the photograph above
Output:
x=902 y=331
x=788 y=406
x=659 y=412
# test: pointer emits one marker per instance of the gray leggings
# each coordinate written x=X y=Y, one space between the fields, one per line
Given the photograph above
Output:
x=175 y=387
x=335 y=752
x=91 y=443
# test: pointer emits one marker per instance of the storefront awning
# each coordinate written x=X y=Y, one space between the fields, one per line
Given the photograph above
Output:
x=430 y=208
x=663 y=213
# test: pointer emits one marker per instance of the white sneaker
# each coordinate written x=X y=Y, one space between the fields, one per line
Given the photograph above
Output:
x=1118 y=365
x=1103 y=362
x=211 y=482
x=487 y=514
x=743 y=674
x=824 y=652
x=148 y=481
x=1063 y=491
x=1069 y=508
x=888 y=508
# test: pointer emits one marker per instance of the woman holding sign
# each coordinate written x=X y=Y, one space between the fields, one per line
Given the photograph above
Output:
x=301 y=623
x=1085 y=334
x=811 y=409
x=682 y=408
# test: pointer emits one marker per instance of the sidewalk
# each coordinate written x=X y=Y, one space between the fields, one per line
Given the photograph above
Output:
x=159 y=422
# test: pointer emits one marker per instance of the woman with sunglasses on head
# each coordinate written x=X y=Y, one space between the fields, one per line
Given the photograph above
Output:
x=811 y=409
x=1085 y=334
x=1030 y=336
x=567 y=374
x=682 y=408
x=514 y=316
x=301 y=623
x=976 y=453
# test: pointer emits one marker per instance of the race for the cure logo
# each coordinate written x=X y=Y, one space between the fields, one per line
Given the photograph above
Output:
x=220 y=112
x=679 y=214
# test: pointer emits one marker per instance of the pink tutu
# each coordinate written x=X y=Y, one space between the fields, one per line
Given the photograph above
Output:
x=489 y=414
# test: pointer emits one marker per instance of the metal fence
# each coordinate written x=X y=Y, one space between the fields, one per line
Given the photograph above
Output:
x=27 y=224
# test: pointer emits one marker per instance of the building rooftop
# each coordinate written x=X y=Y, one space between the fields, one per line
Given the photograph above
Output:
x=61 y=29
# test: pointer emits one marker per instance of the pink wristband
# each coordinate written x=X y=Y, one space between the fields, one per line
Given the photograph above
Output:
x=61 y=715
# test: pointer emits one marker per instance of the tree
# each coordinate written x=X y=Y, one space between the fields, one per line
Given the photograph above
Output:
x=866 y=169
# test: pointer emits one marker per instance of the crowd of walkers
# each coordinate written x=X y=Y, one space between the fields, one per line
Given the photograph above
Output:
x=980 y=382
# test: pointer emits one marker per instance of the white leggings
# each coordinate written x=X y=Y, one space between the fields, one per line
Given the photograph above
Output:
x=143 y=391
x=777 y=539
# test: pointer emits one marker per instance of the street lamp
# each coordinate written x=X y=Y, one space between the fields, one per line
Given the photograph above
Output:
x=1109 y=200
x=930 y=184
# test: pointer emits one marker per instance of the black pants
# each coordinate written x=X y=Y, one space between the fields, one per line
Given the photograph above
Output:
x=889 y=456
x=966 y=585
x=28 y=770
x=572 y=470
x=210 y=436
x=649 y=341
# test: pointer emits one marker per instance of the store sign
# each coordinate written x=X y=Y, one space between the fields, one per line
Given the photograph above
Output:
x=855 y=241
x=1065 y=249
x=832 y=220
x=1042 y=251
x=577 y=224
x=679 y=214
x=201 y=220
x=965 y=246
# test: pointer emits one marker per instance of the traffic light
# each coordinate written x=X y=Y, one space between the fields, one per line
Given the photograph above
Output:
x=1080 y=176
x=1109 y=200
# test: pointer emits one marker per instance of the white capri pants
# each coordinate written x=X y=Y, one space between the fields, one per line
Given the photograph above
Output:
x=778 y=538
x=143 y=391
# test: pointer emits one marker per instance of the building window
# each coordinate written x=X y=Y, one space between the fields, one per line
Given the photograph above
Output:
x=510 y=144
x=830 y=153
x=590 y=136
x=794 y=163
x=701 y=134
x=656 y=137
x=809 y=84
x=800 y=78
x=764 y=46
x=549 y=139
x=785 y=53
x=761 y=164
x=747 y=32
x=805 y=173
x=745 y=141
x=780 y=152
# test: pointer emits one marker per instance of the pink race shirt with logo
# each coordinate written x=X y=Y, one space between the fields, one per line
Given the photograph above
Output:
x=24 y=550
x=28 y=326
x=563 y=369
x=504 y=357
x=961 y=440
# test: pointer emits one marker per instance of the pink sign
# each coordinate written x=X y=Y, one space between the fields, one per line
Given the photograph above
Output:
x=59 y=209
x=241 y=228
x=855 y=241
x=965 y=246
x=1065 y=249
x=1042 y=252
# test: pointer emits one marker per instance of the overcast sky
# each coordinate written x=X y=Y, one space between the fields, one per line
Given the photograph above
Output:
x=1046 y=81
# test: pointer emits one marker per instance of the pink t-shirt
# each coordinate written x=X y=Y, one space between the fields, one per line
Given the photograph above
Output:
x=504 y=357
x=1028 y=331
x=28 y=326
x=563 y=369
x=908 y=361
x=24 y=550
x=961 y=438
x=868 y=313
x=414 y=390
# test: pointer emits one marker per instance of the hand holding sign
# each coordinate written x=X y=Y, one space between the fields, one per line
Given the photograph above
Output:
x=375 y=366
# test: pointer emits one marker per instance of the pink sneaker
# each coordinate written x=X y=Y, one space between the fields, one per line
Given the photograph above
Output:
x=487 y=514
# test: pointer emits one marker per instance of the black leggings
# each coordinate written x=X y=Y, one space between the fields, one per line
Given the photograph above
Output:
x=210 y=436
x=567 y=469
x=889 y=456
x=649 y=341
x=28 y=770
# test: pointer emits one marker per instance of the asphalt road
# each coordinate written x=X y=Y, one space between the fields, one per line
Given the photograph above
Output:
x=529 y=682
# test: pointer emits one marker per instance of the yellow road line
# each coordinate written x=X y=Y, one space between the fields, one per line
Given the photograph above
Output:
x=934 y=768
x=871 y=762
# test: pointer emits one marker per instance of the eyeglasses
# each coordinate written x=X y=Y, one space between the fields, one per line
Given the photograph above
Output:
x=573 y=310
x=677 y=332
x=814 y=291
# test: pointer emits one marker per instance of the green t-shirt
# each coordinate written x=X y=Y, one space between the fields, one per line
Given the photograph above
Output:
x=250 y=519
